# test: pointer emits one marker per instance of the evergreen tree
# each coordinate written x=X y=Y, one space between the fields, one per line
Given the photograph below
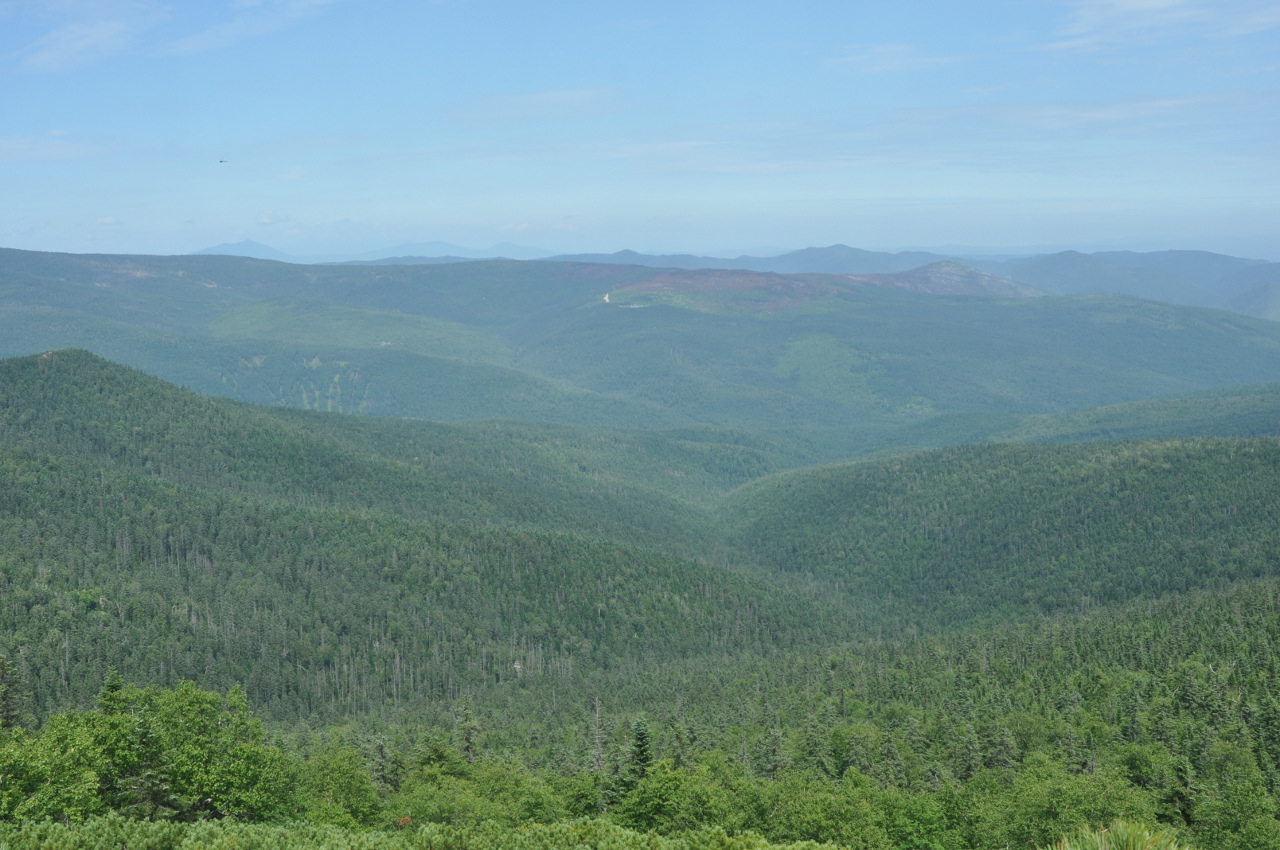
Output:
x=640 y=756
x=773 y=754
x=468 y=731
x=10 y=696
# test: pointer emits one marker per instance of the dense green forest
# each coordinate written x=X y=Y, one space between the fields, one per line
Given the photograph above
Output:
x=341 y=631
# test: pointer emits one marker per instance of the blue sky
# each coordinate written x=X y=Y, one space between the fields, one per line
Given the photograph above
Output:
x=658 y=126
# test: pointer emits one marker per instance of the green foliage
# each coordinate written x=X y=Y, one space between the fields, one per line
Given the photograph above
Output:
x=117 y=832
x=1044 y=801
x=460 y=793
x=180 y=754
x=670 y=800
x=1120 y=836
x=335 y=787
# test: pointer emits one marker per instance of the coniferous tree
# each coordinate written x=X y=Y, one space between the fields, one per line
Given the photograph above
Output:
x=468 y=731
x=10 y=696
x=640 y=756
x=773 y=754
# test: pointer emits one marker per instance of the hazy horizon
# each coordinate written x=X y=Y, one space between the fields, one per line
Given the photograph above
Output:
x=329 y=254
x=324 y=127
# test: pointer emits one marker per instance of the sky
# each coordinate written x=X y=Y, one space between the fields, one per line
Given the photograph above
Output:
x=323 y=127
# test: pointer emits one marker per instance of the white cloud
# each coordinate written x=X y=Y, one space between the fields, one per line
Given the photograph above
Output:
x=254 y=18
x=1094 y=24
x=90 y=31
x=82 y=32
x=1260 y=19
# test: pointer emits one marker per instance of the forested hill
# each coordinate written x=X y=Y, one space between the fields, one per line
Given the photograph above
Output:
x=634 y=486
x=177 y=537
x=153 y=528
x=992 y=532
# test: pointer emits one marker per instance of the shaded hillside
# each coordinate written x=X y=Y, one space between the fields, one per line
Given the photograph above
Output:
x=1259 y=294
x=949 y=277
x=72 y=404
x=1074 y=273
x=330 y=612
x=983 y=532
x=1238 y=412
x=1203 y=268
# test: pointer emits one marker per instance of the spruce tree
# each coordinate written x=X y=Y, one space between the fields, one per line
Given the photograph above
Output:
x=640 y=757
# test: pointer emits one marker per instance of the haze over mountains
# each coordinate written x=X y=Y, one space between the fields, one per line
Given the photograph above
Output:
x=1198 y=278
x=419 y=251
x=848 y=359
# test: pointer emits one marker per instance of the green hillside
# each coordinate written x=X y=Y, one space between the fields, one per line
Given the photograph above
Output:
x=1003 y=531
x=145 y=477
x=1204 y=268
x=1232 y=412
x=878 y=356
x=1178 y=280
x=1262 y=300
x=633 y=486
x=304 y=321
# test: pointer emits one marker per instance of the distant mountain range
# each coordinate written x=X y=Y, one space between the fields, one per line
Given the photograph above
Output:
x=835 y=259
x=248 y=248
x=415 y=252
x=1194 y=278
x=855 y=362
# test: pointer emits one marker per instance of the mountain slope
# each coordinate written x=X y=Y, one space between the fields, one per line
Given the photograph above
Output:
x=1074 y=273
x=247 y=248
x=636 y=487
x=869 y=355
x=948 y=277
x=1258 y=292
x=1000 y=531
x=177 y=536
x=1203 y=268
